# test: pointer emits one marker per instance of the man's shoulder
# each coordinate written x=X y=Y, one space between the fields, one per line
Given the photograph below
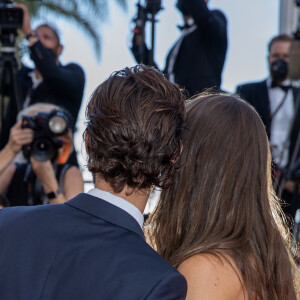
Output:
x=109 y=250
x=251 y=90
x=17 y=211
x=23 y=218
x=219 y=14
x=251 y=85
x=73 y=66
x=160 y=279
x=124 y=246
x=143 y=252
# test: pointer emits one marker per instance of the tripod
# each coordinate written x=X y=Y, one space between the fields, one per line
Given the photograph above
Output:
x=152 y=8
x=8 y=72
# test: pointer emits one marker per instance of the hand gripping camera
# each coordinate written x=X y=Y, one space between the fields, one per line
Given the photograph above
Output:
x=47 y=126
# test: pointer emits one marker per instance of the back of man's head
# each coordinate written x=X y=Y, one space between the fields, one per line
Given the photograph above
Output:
x=134 y=125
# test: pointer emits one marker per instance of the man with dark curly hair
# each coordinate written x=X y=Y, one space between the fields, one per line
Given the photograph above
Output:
x=93 y=247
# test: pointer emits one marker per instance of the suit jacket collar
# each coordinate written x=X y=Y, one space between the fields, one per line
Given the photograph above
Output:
x=263 y=104
x=263 y=85
x=106 y=211
x=295 y=92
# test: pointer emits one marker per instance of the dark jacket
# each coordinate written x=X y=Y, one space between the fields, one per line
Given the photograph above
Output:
x=62 y=85
x=256 y=94
x=85 y=249
x=201 y=56
x=200 y=60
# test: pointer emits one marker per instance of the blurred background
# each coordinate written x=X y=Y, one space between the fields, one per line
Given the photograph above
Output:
x=251 y=24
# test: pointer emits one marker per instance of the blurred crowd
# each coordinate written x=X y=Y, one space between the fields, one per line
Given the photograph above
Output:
x=227 y=166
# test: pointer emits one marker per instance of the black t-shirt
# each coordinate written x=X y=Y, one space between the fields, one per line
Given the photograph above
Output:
x=25 y=189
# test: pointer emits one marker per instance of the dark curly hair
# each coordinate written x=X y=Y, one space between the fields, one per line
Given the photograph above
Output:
x=134 y=126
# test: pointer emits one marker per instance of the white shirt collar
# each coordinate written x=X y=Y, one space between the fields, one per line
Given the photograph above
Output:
x=286 y=82
x=35 y=81
x=119 y=202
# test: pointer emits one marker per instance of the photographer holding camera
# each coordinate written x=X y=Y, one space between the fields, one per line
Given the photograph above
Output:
x=49 y=81
x=196 y=60
x=46 y=139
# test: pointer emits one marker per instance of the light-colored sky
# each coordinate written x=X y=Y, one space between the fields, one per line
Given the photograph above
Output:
x=251 y=23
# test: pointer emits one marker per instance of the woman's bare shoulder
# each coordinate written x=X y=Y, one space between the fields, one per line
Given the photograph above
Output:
x=212 y=277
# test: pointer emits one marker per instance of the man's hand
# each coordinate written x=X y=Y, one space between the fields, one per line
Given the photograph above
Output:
x=19 y=137
x=26 y=27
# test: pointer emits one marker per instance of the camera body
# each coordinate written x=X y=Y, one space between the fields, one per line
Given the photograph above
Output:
x=47 y=127
x=153 y=6
x=11 y=18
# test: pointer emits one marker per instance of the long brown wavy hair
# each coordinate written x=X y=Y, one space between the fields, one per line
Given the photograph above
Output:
x=221 y=201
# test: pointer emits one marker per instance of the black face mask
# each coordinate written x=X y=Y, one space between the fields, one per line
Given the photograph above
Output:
x=279 y=70
x=50 y=52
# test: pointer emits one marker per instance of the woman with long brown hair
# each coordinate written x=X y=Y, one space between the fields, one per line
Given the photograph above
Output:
x=219 y=222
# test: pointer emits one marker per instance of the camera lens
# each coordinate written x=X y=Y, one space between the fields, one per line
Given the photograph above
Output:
x=43 y=149
x=58 y=125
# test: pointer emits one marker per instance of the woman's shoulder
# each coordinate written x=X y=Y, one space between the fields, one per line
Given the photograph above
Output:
x=212 y=276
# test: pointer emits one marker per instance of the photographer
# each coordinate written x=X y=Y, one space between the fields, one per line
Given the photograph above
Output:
x=196 y=60
x=39 y=182
x=274 y=98
x=49 y=81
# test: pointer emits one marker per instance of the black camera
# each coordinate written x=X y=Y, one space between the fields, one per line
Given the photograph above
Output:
x=153 y=6
x=47 y=126
x=297 y=2
x=11 y=17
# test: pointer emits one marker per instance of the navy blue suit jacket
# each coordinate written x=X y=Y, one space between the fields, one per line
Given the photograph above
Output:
x=83 y=249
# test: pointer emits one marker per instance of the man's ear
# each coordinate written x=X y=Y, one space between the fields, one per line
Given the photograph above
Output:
x=60 y=50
